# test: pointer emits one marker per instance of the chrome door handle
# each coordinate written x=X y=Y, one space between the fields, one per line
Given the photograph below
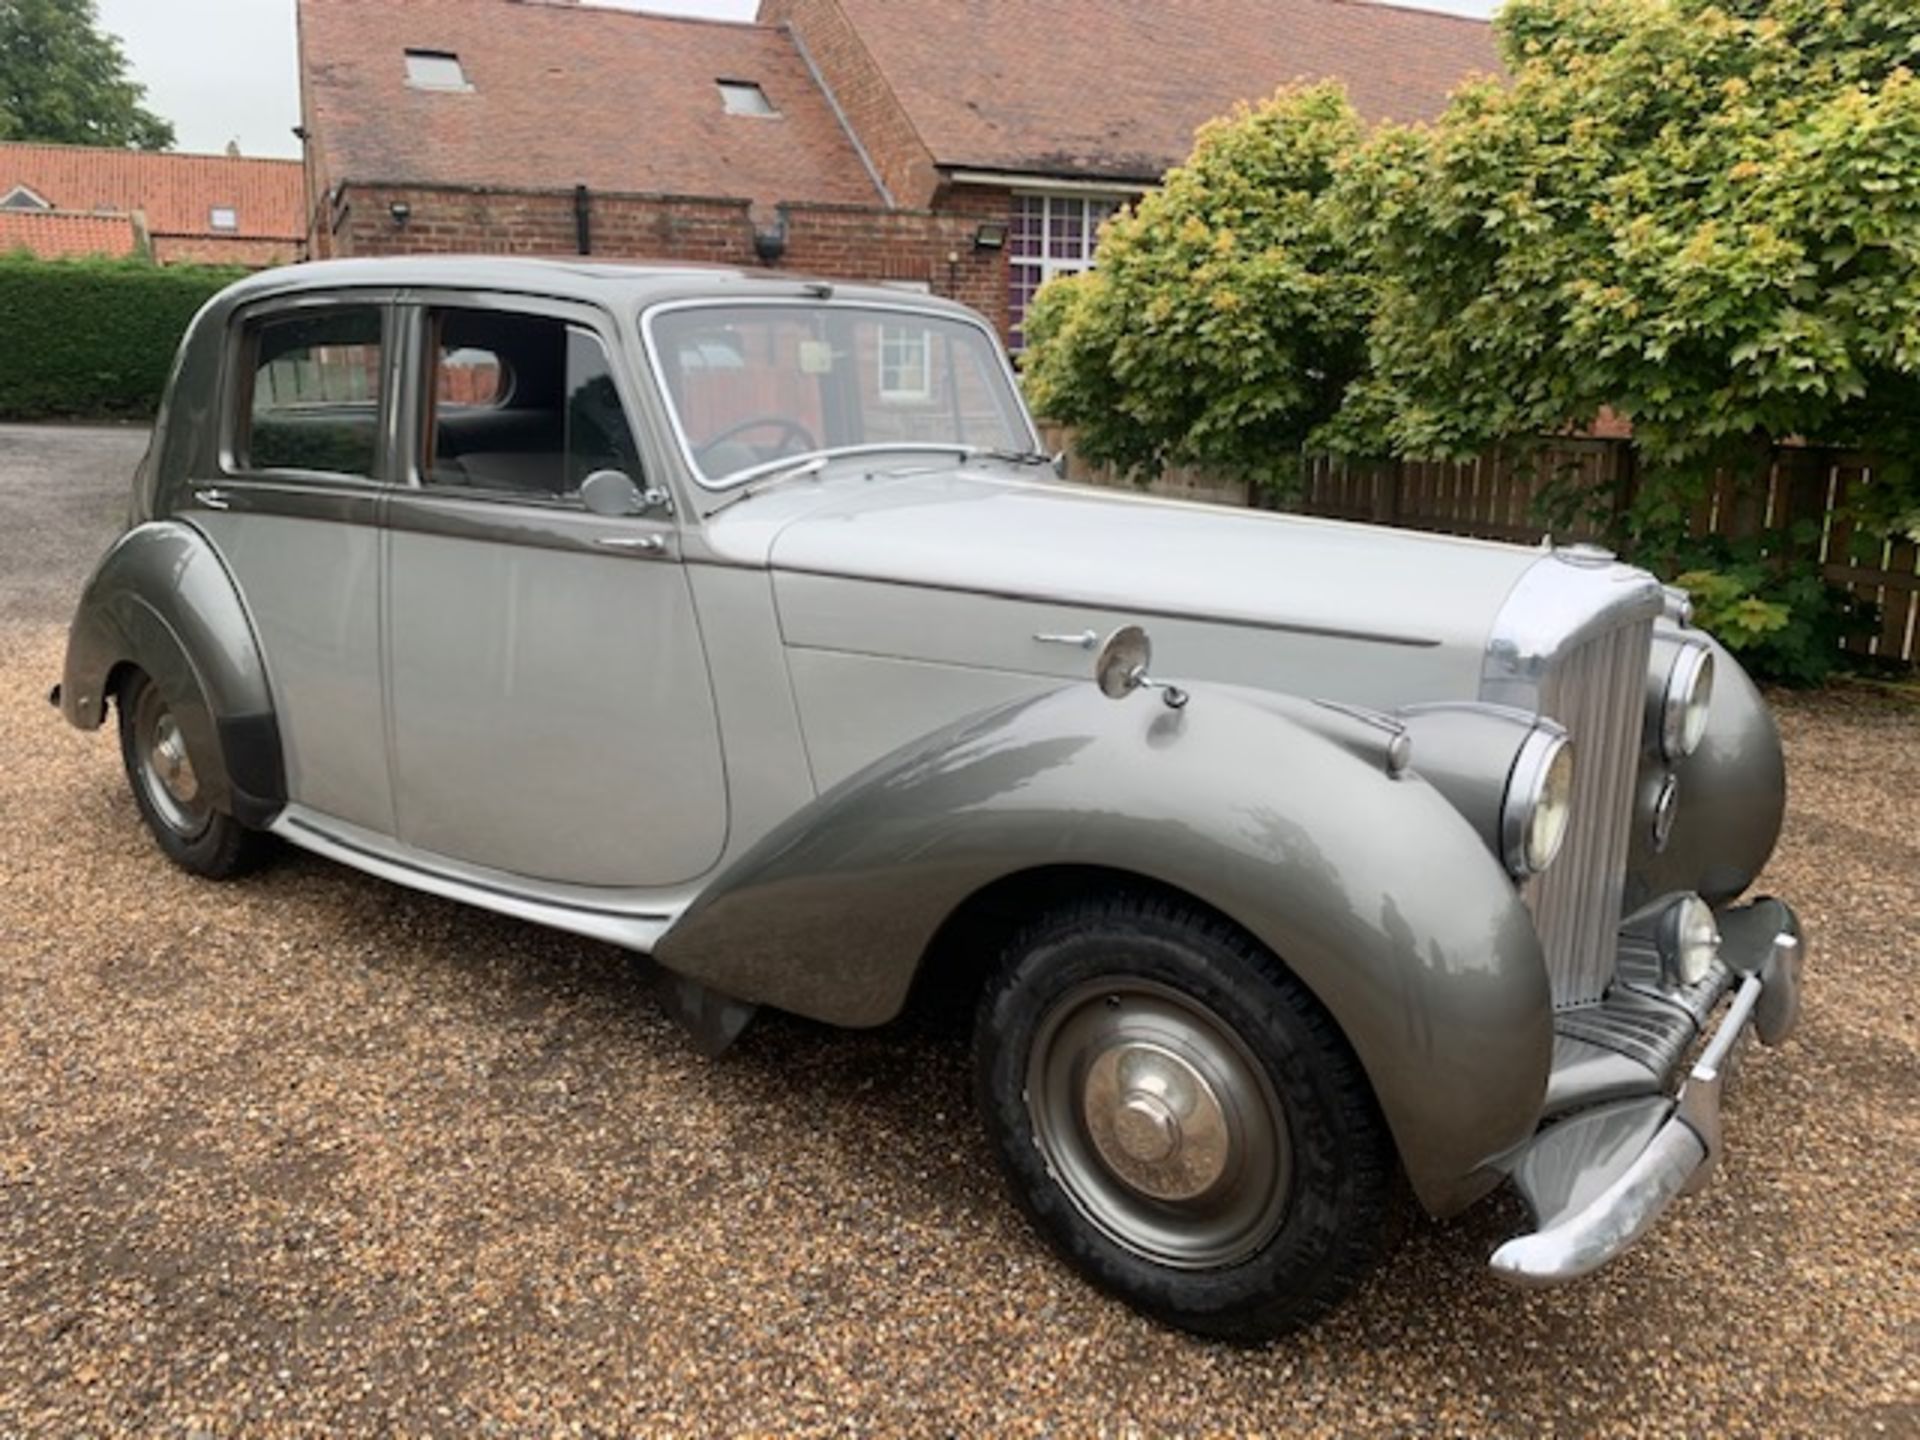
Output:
x=1084 y=640
x=640 y=544
x=212 y=499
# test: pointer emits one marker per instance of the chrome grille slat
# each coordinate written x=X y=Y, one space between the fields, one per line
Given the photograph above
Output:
x=1598 y=693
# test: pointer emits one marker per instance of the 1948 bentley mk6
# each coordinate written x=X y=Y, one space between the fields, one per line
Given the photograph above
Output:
x=737 y=620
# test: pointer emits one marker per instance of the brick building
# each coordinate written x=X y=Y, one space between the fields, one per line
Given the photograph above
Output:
x=965 y=147
x=61 y=200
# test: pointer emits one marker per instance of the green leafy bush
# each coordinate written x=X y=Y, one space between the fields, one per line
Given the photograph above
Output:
x=1784 y=622
x=1226 y=318
x=93 y=339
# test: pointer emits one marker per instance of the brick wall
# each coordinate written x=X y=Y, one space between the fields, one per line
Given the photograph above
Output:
x=835 y=242
x=930 y=247
x=207 y=250
x=877 y=117
x=445 y=220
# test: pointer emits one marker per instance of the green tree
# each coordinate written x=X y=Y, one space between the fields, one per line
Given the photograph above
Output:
x=64 y=81
x=1703 y=215
x=1226 y=318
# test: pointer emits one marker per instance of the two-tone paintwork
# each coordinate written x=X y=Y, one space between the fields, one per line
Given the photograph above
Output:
x=780 y=744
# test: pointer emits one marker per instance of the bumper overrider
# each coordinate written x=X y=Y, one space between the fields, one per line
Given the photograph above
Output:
x=1599 y=1180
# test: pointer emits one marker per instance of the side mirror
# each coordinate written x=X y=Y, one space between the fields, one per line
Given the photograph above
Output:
x=1120 y=668
x=1121 y=663
x=613 y=493
x=1059 y=464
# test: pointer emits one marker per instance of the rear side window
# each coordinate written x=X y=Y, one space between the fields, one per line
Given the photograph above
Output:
x=523 y=407
x=314 y=401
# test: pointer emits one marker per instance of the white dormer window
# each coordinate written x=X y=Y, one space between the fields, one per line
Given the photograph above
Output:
x=21 y=198
x=435 y=70
x=743 y=97
x=224 y=217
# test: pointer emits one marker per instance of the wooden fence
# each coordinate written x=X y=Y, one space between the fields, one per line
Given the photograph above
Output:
x=1494 y=497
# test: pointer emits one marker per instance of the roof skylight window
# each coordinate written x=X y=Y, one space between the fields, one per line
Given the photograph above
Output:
x=743 y=97
x=435 y=70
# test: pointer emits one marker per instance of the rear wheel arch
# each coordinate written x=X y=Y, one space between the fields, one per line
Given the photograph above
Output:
x=162 y=604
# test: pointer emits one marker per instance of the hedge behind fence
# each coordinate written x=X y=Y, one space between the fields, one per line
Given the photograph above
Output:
x=93 y=338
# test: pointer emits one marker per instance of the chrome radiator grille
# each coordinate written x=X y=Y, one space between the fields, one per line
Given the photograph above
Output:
x=1599 y=693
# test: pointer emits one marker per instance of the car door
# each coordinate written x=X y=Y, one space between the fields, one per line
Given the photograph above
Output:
x=551 y=711
x=294 y=514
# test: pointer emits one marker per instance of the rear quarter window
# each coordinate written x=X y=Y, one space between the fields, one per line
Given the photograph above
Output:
x=311 y=401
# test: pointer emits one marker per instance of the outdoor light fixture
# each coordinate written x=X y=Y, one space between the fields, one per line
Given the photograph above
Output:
x=401 y=212
x=992 y=235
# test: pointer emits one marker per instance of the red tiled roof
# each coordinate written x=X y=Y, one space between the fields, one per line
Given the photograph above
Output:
x=53 y=234
x=178 y=193
x=563 y=95
x=1117 y=87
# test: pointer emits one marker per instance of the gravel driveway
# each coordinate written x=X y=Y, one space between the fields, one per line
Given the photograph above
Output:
x=309 y=1153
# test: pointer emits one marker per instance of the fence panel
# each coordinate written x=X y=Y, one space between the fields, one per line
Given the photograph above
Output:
x=1496 y=496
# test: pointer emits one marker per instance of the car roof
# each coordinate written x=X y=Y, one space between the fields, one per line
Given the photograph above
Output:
x=615 y=284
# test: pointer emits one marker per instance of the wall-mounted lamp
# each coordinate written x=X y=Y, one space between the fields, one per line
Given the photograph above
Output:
x=770 y=241
x=992 y=235
x=401 y=212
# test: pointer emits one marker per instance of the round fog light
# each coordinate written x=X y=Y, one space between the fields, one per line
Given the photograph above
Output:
x=1690 y=941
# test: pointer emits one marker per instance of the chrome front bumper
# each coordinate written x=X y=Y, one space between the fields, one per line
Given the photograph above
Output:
x=1598 y=1180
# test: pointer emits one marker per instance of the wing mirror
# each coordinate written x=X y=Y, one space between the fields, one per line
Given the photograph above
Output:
x=1120 y=668
x=612 y=493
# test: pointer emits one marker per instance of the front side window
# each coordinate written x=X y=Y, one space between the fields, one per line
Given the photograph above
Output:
x=520 y=407
x=313 y=404
x=1050 y=235
x=752 y=385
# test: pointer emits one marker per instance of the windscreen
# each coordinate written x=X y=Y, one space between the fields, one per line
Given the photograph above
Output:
x=752 y=385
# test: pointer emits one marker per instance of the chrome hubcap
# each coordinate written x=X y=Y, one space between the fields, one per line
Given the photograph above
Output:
x=169 y=760
x=166 y=770
x=1155 y=1121
x=1159 y=1124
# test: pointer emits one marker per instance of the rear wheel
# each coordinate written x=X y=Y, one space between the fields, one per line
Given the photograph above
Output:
x=1181 y=1119
x=169 y=793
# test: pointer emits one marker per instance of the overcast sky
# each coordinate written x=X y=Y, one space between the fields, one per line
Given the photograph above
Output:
x=224 y=70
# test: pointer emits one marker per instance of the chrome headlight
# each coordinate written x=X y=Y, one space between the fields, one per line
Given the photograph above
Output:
x=1689 y=940
x=1533 y=818
x=1683 y=712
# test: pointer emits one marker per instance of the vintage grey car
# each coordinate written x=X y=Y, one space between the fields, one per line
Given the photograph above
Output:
x=738 y=620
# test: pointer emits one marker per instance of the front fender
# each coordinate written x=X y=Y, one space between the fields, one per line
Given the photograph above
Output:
x=1372 y=889
x=161 y=600
x=1732 y=799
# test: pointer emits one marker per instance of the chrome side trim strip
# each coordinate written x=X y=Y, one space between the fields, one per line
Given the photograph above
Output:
x=636 y=928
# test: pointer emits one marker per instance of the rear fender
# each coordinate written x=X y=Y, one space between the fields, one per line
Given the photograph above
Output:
x=1372 y=889
x=161 y=601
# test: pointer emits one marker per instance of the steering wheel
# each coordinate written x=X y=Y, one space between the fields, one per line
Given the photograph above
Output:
x=787 y=426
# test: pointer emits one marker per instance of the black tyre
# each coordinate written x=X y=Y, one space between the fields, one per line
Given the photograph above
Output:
x=1181 y=1119
x=193 y=834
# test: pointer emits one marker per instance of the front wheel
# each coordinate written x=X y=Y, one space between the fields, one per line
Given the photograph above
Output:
x=169 y=793
x=1180 y=1117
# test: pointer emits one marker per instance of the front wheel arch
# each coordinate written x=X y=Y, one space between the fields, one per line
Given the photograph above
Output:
x=960 y=959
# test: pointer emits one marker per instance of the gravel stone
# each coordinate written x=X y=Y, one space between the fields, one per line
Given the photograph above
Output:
x=311 y=1154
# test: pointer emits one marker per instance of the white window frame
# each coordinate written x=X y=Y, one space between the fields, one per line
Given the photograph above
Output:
x=1046 y=262
x=232 y=225
x=897 y=343
x=35 y=200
